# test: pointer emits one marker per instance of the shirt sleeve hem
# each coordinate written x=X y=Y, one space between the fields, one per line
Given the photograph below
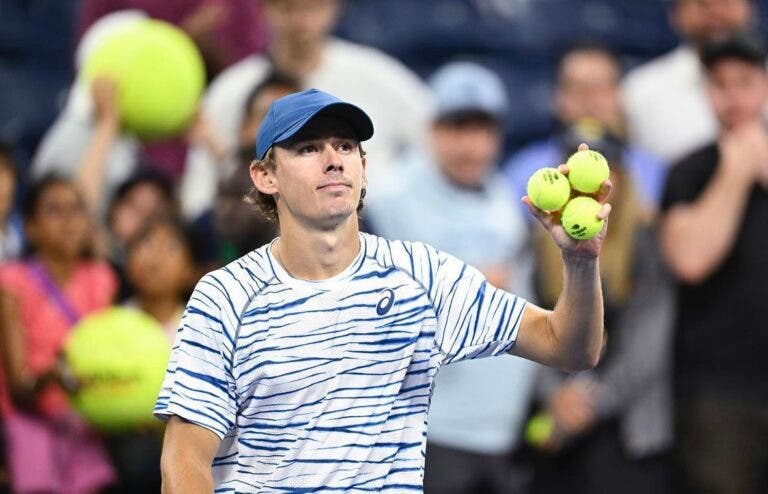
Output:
x=166 y=413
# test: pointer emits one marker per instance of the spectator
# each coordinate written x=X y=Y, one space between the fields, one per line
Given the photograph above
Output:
x=613 y=426
x=144 y=196
x=224 y=31
x=49 y=448
x=86 y=141
x=11 y=234
x=714 y=238
x=668 y=111
x=587 y=102
x=301 y=46
x=161 y=269
x=451 y=197
x=239 y=227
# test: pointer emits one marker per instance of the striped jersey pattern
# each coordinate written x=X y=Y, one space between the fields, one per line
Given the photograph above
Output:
x=324 y=386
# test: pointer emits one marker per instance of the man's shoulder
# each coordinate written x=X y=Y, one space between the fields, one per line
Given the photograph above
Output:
x=242 y=276
x=354 y=53
x=397 y=253
x=701 y=160
x=658 y=71
x=374 y=65
x=236 y=80
x=688 y=176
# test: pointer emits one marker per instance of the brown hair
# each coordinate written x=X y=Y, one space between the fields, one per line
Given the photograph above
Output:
x=265 y=204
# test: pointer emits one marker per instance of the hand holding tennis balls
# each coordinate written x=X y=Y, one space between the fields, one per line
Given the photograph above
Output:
x=590 y=215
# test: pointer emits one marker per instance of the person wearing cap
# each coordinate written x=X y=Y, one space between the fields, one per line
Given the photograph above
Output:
x=666 y=101
x=588 y=108
x=478 y=406
x=302 y=45
x=713 y=235
x=307 y=365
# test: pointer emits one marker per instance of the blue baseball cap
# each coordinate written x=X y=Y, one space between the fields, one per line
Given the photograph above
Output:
x=289 y=114
x=460 y=87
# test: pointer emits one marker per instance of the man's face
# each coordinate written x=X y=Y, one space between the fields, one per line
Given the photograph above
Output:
x=705 y=21
x=466 y=150
x=301 y=22
x=738 y=91
x=319 y=174
x=588 y=87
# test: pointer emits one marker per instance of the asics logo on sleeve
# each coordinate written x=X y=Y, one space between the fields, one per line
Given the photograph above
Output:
x=386 y=301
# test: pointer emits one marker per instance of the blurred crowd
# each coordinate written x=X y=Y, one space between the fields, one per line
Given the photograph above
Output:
x=674 y=94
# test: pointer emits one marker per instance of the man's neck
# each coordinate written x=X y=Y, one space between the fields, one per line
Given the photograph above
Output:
x=314 y=254
x=297 y=60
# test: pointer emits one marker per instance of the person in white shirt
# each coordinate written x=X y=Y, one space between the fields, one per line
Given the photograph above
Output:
x=307 y=365
x=666 y=105
x=301 y=46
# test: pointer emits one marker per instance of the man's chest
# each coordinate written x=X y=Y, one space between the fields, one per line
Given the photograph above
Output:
x=357 y=343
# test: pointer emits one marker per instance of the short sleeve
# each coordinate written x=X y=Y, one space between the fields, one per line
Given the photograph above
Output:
x=198 y=385
x=689 y=177
x=475 y=319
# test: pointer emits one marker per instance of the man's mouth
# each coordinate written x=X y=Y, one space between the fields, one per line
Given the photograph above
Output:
x=335 y=185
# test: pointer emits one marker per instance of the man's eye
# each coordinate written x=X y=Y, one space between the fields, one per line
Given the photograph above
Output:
x=346 y=147
x=310 y=148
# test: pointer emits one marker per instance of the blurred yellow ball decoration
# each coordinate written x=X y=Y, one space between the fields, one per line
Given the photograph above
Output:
x=118 y=357
x=159 y=72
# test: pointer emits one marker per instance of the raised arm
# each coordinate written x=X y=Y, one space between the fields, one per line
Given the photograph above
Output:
x=91 y=170
x=188 y=452
x=569 y=337
x=696 y=237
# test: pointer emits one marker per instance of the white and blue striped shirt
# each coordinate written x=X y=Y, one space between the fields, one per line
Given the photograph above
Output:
x=324 y=386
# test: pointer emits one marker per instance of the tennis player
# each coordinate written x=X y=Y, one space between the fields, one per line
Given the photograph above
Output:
x=307 y=365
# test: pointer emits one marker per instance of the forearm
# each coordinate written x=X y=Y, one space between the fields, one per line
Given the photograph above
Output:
x=576 y=322
x=92 y=167
x=188 y=453
x=696 y=238
x=182 y=475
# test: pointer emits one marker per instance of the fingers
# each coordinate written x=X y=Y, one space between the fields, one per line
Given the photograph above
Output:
x=539 y=214
x=583 y=147
x=533 y=209
x=564 y=169
x=605 y=190
x=604 y=212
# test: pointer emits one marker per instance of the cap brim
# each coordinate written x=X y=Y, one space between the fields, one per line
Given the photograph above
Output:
x=357 y=119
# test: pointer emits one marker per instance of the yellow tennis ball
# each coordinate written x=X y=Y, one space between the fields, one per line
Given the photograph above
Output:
x=539 y=429
x=587 y=170
x=548 y=189
x=580 y=219
x=118 y=357
x=159 y=72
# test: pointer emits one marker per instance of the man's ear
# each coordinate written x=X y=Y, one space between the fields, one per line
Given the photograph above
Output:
x=365 y=167
x=263 y=178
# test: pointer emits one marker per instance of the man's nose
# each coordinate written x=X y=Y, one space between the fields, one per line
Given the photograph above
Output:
x=331 y=159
